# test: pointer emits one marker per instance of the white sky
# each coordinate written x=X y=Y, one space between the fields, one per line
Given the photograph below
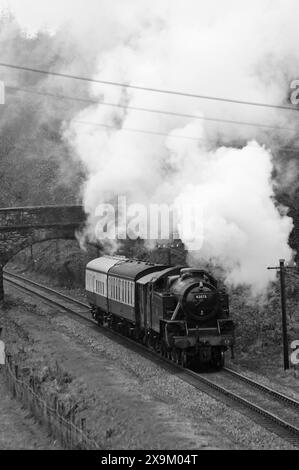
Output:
x=37 y=14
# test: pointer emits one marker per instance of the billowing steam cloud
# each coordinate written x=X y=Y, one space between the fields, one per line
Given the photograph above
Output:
x=242 y=229
x=230 y=49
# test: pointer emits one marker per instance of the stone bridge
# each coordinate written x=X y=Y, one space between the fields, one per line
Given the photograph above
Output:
x=23 y=226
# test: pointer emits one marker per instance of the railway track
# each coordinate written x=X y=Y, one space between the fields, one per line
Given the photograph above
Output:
x=275 y=411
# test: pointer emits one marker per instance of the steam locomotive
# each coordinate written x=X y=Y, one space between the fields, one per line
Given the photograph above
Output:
x=178 y=311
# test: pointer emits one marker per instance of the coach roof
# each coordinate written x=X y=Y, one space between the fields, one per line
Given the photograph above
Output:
x=104 y=263
x=133 y=269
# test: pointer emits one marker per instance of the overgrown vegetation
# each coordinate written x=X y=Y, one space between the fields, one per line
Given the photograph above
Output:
x=36 y=166
x=60 y=260
x=259 y=318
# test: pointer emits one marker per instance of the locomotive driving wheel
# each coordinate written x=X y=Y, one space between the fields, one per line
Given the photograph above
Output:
x=183 y=360
x=218 y=358
x=163 y=349
x=175 y=355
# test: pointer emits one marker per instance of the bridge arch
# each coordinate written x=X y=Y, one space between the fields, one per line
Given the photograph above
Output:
x=24 y=226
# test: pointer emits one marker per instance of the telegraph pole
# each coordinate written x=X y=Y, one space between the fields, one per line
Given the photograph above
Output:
x=284 y=314
x=282 y=268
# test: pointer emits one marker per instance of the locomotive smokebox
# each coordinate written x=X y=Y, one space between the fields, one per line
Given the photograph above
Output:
x=197 y=294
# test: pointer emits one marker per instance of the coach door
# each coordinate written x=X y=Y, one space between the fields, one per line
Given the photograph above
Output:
x=142 y=304
x=149 y=295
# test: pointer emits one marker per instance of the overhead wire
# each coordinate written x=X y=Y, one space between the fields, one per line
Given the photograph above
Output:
x=149 y=89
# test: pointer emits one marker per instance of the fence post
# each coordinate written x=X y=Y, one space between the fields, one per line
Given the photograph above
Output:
x=83 y=429
x=7 y=369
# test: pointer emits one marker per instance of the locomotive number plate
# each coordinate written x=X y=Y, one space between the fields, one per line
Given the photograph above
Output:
x=201 y=296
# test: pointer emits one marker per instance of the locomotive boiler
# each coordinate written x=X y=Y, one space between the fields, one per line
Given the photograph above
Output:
x=179 y=312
